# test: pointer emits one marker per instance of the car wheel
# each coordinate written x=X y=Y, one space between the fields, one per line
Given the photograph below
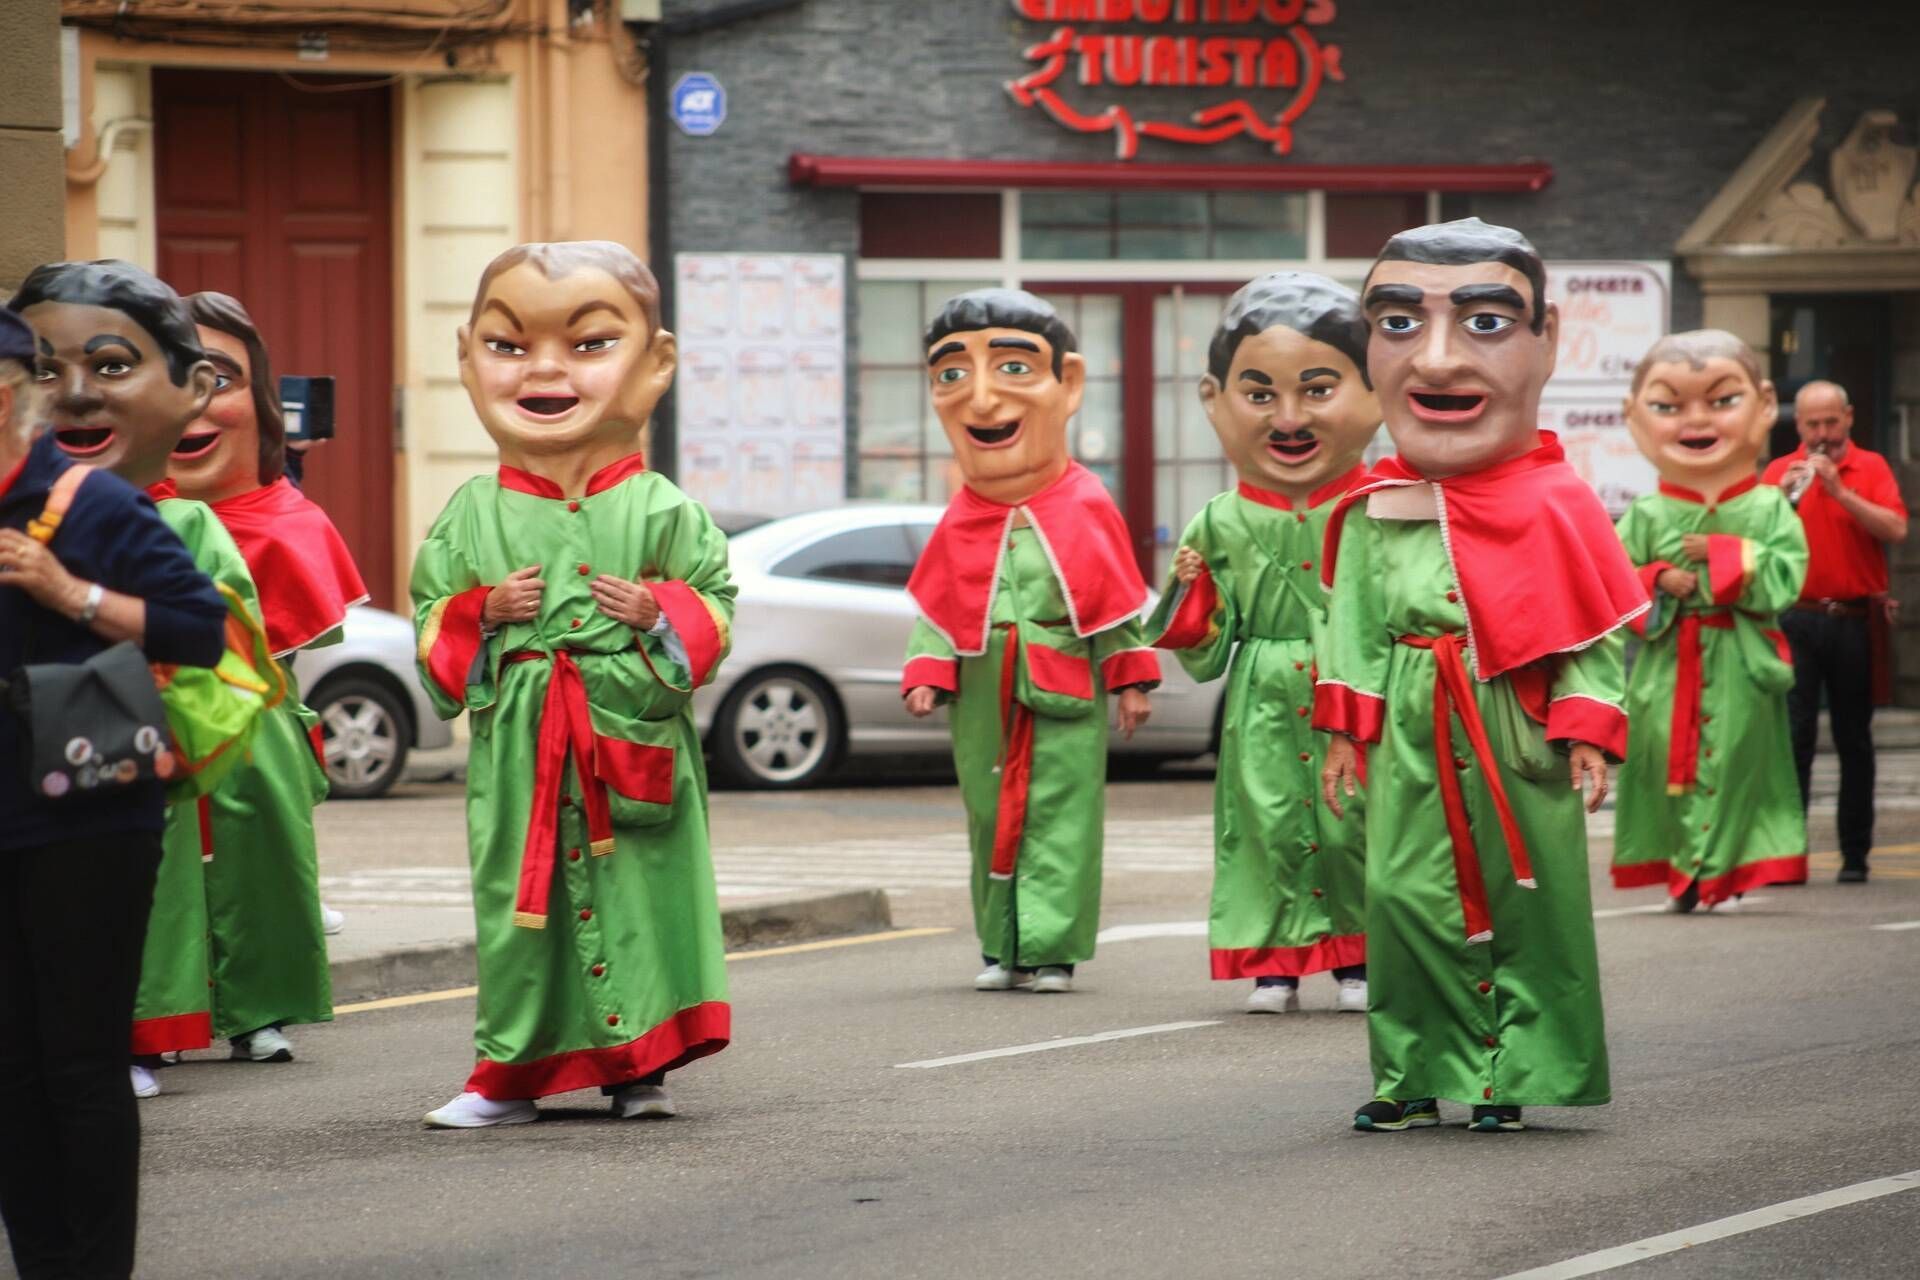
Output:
x=778 y=729
x=363 y=736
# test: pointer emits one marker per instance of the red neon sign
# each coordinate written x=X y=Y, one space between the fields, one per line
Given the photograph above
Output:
x=1288 y=56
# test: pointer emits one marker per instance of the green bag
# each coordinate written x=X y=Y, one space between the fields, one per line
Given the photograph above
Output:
x=213 y=711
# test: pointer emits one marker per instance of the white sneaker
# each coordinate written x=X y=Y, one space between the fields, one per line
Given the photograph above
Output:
x=643 y=1102
x=1726 y=905
x=997 y=977
x=1353 y=996
x=1052 y=980
x=1275 y=999
x=145 y=1083
x=471 y=1111
x=265 y=1045
x=331 y=921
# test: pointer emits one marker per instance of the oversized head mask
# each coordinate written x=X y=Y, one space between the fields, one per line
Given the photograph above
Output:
x=121 y=363
x=563 y=355
x=1700 y=410
x=1005 y=380
x=1286 y=385
x=1461 y=344
x=239 y=443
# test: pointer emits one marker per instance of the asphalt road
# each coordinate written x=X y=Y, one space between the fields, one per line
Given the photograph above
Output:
x=1757 y=1058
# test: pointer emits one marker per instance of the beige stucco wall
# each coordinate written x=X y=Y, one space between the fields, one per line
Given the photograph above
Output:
x=30 y=145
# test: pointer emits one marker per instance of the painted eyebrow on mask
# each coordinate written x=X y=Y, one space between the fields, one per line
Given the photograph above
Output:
x=100 y=340
x=505 y=310
x=1405 y=294
x=1319 y=371
x=588 y=308
x=221 y=360
x=1018 y=344
x=944 y=350
x=1254 y=375
x=1503 y=294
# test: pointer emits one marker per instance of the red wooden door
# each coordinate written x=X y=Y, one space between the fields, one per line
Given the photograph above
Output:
x=281 y=196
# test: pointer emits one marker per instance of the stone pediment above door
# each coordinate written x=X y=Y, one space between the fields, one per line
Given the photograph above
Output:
x=1792 y=219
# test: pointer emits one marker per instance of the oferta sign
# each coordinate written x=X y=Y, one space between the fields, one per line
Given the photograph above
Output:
x=1263 y=55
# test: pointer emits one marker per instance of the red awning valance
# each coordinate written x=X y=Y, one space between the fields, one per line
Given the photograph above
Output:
x=806 y=170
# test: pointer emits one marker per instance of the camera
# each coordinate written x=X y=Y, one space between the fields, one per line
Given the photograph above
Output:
x=307 y=405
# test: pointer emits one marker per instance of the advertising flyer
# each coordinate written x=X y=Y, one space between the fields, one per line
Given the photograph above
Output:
x=1610 y=313
x=762 y=385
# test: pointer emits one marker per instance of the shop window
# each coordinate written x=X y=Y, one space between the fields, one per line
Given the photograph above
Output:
x=1358 y=225
x=960 y=225
x=1162 y=225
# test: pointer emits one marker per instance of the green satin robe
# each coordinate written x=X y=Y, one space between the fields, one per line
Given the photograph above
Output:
x=1048 y=912
x=1516 y=1020
x=1740 y=825
x=234 y=942
x=626 y=973
x=1289 y=881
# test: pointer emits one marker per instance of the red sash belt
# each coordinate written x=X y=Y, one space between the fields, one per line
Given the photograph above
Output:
x=1683 y=739
x=1016 y=763
x=566 y=729
x=1453 y=695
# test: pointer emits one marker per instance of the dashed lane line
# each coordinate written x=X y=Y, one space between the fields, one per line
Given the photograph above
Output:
x=1898 y=926
x=1588 y=1264
x=1065 y=1042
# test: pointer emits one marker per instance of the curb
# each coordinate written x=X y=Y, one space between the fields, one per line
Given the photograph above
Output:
x=764 y=922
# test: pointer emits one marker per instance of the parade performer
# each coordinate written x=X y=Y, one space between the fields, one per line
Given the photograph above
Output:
x=1709 y=805
x=1030 y=604
x=1478 y=595
x=69 y=303
x=1286 y=390
x=571 y=603
x=261 y=878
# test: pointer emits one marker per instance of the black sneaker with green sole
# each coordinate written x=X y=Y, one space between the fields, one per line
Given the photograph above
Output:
x=1387 y=1116
x=1496 y=1120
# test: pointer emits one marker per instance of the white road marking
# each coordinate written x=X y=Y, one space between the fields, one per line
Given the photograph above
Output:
x=1899 y=926
x=1657 y=908
x=1066 y=1042
x=1135 y=932
x=1588 y=1264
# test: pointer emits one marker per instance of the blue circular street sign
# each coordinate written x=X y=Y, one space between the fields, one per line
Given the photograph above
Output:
x=699 y=104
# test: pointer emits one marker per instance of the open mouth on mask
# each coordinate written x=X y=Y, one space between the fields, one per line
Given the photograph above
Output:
x=995 y=435
x=1292 y=446
x=83 y=442
x=192 y=446
x=1447 y=406
x=547 y=406
x=1699 y=444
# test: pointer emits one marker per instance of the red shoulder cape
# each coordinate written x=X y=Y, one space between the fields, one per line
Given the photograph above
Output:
x=1536 y=559
x=1085 y=539
x=301 y=566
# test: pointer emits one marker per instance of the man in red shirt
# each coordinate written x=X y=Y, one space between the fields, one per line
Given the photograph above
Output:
x=1850 y=504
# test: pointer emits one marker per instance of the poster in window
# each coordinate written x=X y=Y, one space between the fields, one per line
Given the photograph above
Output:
x=764 y=295
x=704 y=303
x=819 y=298
x=763 y=479
x=706 y=473
x=705 y=384
x=819 y=388
x=819 y=473
x=765 y=401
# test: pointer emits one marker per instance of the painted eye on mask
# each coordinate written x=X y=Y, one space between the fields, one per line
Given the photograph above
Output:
x=221 y=381
x=1323 y=392
x=501 y=347
x=114 y=369
x=1399 y=324
x=947 y=377
x=1261 y=397
x=1728 y=401
x=1016 y=368
x=592 y=345
x=1488 y=322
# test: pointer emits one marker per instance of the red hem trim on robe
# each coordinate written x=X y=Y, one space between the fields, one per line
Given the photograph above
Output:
x=1578 y=718
x=1791 y=869
x=695 y=624
x=691 y=1033
x=1192 y=622
x=1727 y=566
x=936 y=673
x=1339 y=708
x=1290 y=962
x=1131 y=667
x=451 y=640
x=172 y=1034
x=599 y=482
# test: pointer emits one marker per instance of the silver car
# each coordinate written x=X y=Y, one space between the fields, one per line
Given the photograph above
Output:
x=372 y=708
x=820 y=637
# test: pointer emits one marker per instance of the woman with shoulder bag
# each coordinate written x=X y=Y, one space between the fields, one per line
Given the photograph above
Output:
x=77 y=869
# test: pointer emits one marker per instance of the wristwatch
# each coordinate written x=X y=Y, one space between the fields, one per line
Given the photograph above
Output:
x=91 y=608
